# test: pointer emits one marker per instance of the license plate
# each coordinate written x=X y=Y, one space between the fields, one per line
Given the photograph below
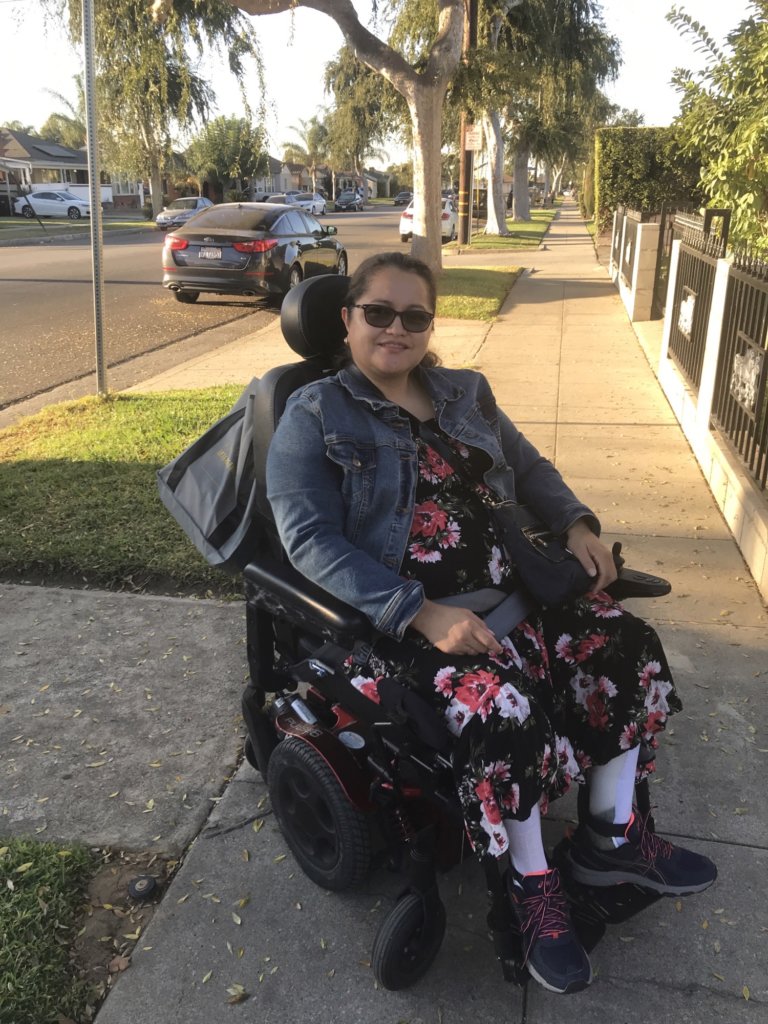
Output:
x=208 y=253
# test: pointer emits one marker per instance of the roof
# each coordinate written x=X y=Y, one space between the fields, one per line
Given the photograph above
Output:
x=39 y=152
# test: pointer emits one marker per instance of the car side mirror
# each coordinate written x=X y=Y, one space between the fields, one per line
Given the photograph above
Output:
x=329 y=229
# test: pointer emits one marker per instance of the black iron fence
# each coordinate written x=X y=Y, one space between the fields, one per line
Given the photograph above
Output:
x=704 y=241
x=670 y=230
x=740 y=407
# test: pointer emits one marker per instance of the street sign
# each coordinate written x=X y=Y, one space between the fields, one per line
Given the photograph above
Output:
x=473 y=137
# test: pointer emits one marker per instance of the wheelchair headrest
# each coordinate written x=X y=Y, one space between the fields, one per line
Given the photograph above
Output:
x=311 y=316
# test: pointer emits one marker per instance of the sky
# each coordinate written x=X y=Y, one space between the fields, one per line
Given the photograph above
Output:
x=296 y=47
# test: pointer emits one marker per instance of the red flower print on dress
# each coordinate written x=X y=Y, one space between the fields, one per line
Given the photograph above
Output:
x=604 y=606
x=653 y=723
x=443 y=681
x=451 y=536
x=568 y=766
x=485 y=794
x=476 y=691
x=512 y=704
x=563 y=647
x=589 y=645
x=422 y=554
x=436 y=468
x=648 y=671
x=497 y=770
x=510 y=801
x=368 y=687
x=656 y=698
x=428 y=518
x=598 y=715
x=628 y=738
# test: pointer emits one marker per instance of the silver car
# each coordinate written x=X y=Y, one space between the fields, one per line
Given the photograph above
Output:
x=180 y=210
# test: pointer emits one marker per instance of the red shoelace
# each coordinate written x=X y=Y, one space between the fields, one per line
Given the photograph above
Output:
x=651 y=844
x=545 y=913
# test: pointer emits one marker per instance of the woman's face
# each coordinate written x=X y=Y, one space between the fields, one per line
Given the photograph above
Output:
x=386 y=355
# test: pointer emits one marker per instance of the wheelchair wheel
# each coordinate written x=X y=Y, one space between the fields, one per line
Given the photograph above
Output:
x=407 y=942
x=329 y=837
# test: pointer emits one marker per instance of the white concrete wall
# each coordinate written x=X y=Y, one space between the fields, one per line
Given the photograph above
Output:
x=743 y=504
x=638 y=295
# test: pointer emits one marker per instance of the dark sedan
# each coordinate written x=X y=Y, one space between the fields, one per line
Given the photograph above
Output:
x=257 y=249
x=402 y=198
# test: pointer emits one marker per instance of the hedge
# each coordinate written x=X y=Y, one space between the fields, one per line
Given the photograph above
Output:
x=642 y=168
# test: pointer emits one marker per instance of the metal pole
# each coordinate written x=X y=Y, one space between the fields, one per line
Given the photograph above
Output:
x=465 y=158
x=94 y=190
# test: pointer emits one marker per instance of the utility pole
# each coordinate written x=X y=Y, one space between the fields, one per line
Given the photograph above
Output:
x=466 y=156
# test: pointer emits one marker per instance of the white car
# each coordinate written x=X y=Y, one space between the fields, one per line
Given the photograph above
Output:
x=52 y=204
x=449 y=220
x=180 y=211
x=311 y=202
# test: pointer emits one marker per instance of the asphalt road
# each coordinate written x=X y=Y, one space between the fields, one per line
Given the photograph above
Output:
x=46 y=306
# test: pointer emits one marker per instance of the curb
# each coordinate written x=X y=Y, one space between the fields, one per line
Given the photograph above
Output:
x=16 y=243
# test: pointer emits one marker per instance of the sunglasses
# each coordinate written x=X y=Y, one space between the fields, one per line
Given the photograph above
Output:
x=413 y=320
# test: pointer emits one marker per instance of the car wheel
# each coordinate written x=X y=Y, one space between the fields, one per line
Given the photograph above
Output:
x=28 y=212
x=295 y=276
x=341 y=268
x=187 y=297
x=404 y=238
x=73 y=213
x=323 y=210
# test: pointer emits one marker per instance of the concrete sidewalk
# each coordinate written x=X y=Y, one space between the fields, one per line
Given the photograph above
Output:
x=566 y=365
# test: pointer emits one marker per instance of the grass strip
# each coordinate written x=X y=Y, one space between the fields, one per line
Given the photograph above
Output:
x=474 y=293
x=523 y=234
x=78 y=499
x=43 y=891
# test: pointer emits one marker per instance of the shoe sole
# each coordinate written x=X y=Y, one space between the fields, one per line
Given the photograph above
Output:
x=576 y=986
x=604 y=879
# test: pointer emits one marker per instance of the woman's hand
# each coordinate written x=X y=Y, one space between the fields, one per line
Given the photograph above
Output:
x=593 y=555
x=454 y=630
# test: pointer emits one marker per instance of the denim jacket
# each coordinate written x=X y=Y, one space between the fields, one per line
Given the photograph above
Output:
x=341 y=480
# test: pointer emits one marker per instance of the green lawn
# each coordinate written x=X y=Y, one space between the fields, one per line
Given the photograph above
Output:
x=474 y=293
x=21 y=229
x=523 y=234
x=43 y=893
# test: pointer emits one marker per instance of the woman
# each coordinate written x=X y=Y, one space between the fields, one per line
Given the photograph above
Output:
x=379 y=478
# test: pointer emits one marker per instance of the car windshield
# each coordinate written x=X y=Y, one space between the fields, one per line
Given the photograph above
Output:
x=236 y=217
x=347 y=195
x=183 y=204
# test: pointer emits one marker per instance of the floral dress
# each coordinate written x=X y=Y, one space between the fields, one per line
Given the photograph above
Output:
x=573 y=686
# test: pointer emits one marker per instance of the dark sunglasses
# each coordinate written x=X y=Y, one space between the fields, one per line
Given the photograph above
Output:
x=413 y=320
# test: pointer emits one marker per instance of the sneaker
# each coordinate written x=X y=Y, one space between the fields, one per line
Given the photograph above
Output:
x=552 y=951
x=645 y=859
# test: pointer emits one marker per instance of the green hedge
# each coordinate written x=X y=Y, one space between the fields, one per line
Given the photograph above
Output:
x=642 y=168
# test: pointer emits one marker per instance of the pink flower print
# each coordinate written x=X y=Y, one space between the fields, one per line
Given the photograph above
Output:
x=443 y=681
x=583 y=685
x=566 y=759
x=494 y=566
x=656 y=698
x=563 y=648
x=604 y=606
x=368 y=687
x=546 y=761
x=653 y=723
x=484 y=791
x=428 y=518
x=512 y=704
x=436 y=467
x=628 y=738
x=589 y=645
x=648 y=671
x=508 y=655
x=510 y=800
x=456 y=717
x=497 y=770
x=450 y=536
x=477 y=691
x=422 y=554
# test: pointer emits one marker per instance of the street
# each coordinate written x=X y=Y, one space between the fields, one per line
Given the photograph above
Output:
x=46 y=298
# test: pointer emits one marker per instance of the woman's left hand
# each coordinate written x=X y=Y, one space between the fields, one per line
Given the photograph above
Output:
x=595 y=557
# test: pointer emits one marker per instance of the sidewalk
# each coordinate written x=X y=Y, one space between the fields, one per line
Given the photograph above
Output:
x=566 y=365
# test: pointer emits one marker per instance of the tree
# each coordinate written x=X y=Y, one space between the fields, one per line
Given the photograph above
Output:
x=67 y=128
x=312 y=148
x=724 y=117
x=19 y=126
x=147 y=84
x=422 y=84
x=230 y=150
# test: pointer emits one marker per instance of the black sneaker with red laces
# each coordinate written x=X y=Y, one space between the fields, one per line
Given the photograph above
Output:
x=552 y=951
x=645 y=859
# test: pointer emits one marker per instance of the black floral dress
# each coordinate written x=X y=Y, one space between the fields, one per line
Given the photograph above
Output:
x=574 y=686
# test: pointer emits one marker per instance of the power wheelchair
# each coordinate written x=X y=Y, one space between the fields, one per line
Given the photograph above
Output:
x=354 y=783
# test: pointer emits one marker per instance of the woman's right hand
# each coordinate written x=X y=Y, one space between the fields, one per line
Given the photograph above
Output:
x=454 y=630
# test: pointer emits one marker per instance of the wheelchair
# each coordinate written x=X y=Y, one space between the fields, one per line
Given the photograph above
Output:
x=356 y=784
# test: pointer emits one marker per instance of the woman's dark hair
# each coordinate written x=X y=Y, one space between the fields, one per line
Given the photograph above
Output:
x=368 y=269
x=383 y=261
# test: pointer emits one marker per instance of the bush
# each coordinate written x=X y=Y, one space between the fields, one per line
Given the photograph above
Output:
x=642 y=168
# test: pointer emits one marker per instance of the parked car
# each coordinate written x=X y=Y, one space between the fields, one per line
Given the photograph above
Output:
x=278 y=197
x=59 y=203
x=261 y=249
x=312 y=202
x=402 y=198
x=348 y=200
x=449 y=220
x=180 y=211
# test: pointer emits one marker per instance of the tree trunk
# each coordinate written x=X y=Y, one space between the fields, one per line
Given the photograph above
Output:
x=155 y=184
x=496 y=224
x=425 y=106
x=557 y=181
x=521 y=200
x=547 y=180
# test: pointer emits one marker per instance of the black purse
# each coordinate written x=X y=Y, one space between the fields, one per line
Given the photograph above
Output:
x=545 y=567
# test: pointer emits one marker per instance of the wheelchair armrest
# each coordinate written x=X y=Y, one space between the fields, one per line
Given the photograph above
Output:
x=283 y=592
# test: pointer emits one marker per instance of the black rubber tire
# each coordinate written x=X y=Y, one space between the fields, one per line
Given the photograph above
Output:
x=187 y=297
x=28 y=212
x=73 y=213
x=405 y=946
x=342 y=267
x=295 y=277
x=404 y=238
x=329 y=838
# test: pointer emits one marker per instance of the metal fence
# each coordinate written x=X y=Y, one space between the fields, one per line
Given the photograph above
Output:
x=704 y=241
x=670 y=230
x=740 y=407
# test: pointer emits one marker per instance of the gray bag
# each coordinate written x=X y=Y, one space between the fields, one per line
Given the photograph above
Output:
x=210 y=489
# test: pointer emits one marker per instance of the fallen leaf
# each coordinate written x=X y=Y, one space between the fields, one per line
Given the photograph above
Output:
x=745 y=992
x=118 y=964
x=237 y=994
x=207 y=977
x=258 y=824
x=24 y=867
x=246 y=856
x=280 y=856
x=236 y=918
x=718 y=976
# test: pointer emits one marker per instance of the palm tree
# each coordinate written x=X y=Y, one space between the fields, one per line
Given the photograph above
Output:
x=67 y=128
x=312 y=148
